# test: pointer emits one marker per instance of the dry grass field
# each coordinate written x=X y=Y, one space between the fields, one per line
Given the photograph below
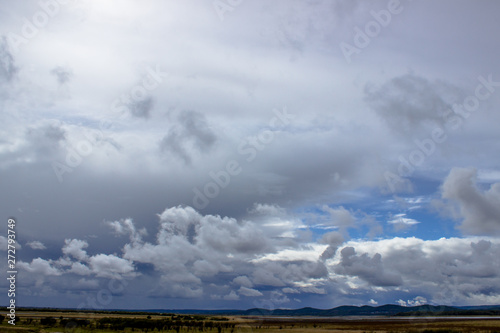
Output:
x=75 y=322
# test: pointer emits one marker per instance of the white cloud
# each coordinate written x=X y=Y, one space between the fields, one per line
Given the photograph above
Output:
x=110 y=266
x=232 y=296
x=36 y=245
x=243 y=281
x=74 y=248
x=249 y=292
x=400 y=221
x=40 y=267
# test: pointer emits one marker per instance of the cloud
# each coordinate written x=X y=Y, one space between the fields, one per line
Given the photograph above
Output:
x=3 y=243
x=243 y=281
x=249 y=292
x=478 y=209
x=401 y=222
x=36 y=245
x=190 y=134
x=410 y=104
x=110 y=266
x=334 y=239
x=8 y=68
x=370 y=269
x=39 y=267
x=266 y=230
x=195 y=256
x=75 y=248
x=141 y=108
x=417 y=301
x=446 y=271
x=232 y=296
x=127 y=227
x=62 y=74
x=340 y=217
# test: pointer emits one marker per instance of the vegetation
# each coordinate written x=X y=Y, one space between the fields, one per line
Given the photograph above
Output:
x=83 y=322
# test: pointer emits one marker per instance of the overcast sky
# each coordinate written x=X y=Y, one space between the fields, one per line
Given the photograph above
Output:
x=251 y=153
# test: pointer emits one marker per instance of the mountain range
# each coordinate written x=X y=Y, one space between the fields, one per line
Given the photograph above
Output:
x=345 y=310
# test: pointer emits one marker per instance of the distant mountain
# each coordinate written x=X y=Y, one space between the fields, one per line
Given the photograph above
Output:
x=383 y=310
x=345 y=310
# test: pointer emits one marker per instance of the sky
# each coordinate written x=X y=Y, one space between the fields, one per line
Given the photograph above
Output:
x=239 y=154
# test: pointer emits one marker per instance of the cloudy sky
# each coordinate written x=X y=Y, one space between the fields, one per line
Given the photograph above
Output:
x=251 y=153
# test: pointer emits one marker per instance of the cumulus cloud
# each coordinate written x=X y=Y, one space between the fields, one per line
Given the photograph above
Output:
x=370 y=269
x=478 y=209
x=334 y=239
x=40 y=267
x=445 y=271
x=75 y=248
x=243 y=281
x=419 y=300
x=127 y=227
x=187 y=262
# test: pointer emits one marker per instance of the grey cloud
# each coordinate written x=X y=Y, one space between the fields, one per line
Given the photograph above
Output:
x=62 y=74
x=288 y=273
x=249 y=292
x=36 y=245
x=8 y=68
x=39 y=143
x=243 y=281
x=141 y=108
x=411 y=103
x=446 y=270
x=332 y=153
x=334 y=239
x=369 y=269
x=480 y=210
x=190 y=133
x=340 y=217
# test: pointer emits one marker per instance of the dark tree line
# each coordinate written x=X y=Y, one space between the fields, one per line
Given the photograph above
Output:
x=174 y=323
x=161 y=324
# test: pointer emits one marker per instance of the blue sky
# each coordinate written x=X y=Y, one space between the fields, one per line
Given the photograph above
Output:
x=234 y=154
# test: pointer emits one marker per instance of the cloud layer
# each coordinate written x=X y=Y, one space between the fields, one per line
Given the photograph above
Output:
x=315 y=180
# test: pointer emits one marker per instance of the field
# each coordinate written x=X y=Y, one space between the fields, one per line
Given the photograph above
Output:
x=78 y=322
